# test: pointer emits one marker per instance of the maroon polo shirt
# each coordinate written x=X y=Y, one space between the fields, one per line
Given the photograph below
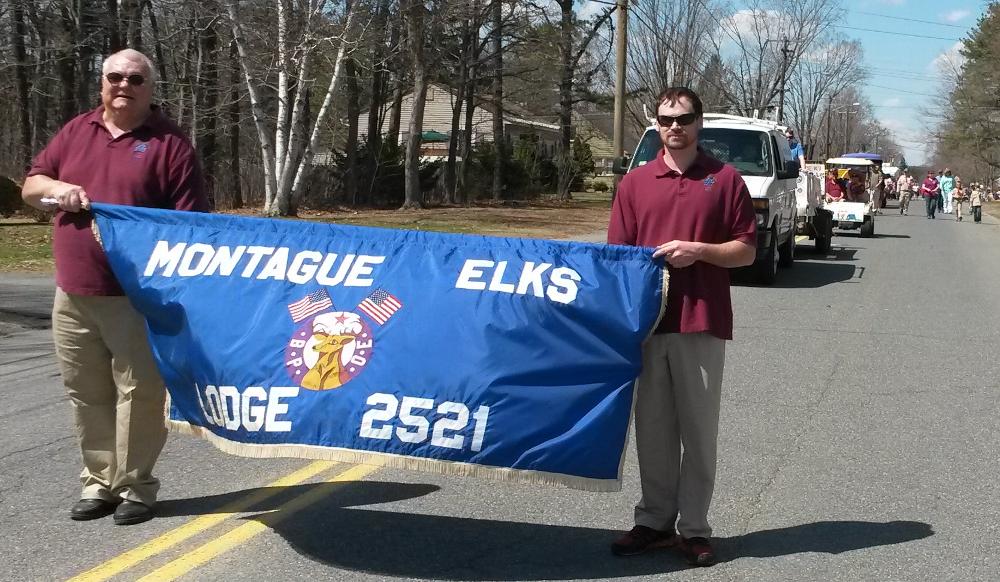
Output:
x=708 y=203
x=153 y=165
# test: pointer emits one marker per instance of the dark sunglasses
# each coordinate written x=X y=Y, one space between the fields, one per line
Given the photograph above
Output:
x=116 y=78
x=668 y=120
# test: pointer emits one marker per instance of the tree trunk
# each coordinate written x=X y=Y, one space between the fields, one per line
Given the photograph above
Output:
x=115 y=43
x=208 y=84
x=470 y=109
x=132 y=15
x=499 y=141
x=414 y=38
x=450 y=176
x=89 y=42
x=376 y=113
x=396 y=110
x=23 y=151
x=565 y=155
x=235 y=181
x=256 y=107
x=351 y=147
x=305 y=156
x=66 y=66
x=161 y=63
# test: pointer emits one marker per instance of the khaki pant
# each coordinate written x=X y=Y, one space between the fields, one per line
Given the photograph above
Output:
x=117 y=394
x=677 y=404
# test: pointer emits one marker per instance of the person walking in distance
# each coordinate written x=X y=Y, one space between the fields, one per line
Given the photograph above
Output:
x=930 y=191
x=904 y=187
x=697 y=213
x=958 y=196
x=947 y=182
x=976 y=198
x=125 y=151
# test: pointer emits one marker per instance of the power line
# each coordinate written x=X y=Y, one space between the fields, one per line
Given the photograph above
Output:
x=903 y=18
x=895 y=33
x=901 y=90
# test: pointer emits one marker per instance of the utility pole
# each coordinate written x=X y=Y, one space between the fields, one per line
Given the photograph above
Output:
x=785 y=52
x=621 y=42
x=829 y=119
x=847 y=129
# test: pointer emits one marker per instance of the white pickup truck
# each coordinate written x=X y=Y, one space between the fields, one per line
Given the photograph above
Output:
x=757 y=148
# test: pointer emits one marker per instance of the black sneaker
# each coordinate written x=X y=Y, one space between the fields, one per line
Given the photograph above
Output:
x=642 y=538
x=87 y=509
x=698 y=552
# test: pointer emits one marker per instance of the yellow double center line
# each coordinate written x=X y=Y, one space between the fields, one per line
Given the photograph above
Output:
x=233 y=538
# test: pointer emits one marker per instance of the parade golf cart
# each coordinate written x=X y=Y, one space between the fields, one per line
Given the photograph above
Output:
x=858 y=214
x=758 y=149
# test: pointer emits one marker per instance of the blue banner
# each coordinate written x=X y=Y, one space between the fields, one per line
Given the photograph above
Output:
x=501 y=357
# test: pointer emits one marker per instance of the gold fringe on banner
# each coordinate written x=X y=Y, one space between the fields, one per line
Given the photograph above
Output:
x=258 y=451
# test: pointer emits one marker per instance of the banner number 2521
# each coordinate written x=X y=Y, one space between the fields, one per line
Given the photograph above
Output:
x=376 y=422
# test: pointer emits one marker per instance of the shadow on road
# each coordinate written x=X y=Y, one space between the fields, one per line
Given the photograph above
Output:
x=811 y=270
x=460 y=548
x=372 y=493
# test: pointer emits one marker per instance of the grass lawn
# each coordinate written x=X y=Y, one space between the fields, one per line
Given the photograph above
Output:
x=26 y=245
x=992 y=208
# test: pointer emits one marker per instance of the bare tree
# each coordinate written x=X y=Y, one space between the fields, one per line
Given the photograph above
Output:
x=821 y=75
x=413 y=11
x=756 y=35
x=572 y=47
x=287 y=150
x=669 y=44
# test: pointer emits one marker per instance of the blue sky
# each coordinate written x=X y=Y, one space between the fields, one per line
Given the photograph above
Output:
x=903 y=70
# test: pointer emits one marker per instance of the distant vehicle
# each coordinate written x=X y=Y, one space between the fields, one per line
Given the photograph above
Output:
x=857 y=214
x=758 y=149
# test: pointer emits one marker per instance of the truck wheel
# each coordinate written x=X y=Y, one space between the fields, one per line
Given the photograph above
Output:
x=786 y=254
x=868 y=227
x=765 y=270
x=823 y=225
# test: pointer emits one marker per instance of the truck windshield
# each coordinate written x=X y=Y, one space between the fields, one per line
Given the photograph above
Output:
x=747 y=151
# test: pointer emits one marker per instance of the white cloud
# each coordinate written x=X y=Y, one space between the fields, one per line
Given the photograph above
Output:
x=892 y=102
x=750 y=23
x=589 y=9
x=950 y=61
x=955 y=15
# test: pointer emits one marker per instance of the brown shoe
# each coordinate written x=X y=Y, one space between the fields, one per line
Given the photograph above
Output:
x=642 y=538
x=698 y=552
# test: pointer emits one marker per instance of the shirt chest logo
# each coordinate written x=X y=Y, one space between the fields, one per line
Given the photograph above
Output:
x=709 y=182
x=139 y=151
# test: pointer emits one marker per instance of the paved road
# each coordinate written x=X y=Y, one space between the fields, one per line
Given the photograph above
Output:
x=859 y=441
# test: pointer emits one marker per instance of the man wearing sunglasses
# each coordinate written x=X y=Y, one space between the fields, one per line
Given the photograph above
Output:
x=697 y=214
x=124 y=152
x=798 y=153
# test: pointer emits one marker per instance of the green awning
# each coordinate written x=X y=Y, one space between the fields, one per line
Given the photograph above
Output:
x=433 y=136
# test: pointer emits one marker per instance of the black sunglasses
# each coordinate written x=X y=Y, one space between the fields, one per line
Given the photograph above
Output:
x=668 y=120
x=135 y=79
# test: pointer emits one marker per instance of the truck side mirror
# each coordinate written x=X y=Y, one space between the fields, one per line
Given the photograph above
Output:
x=791 y=170
x=620 y=165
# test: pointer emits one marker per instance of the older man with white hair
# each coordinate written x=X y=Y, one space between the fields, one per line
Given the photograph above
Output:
x=123 y=152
